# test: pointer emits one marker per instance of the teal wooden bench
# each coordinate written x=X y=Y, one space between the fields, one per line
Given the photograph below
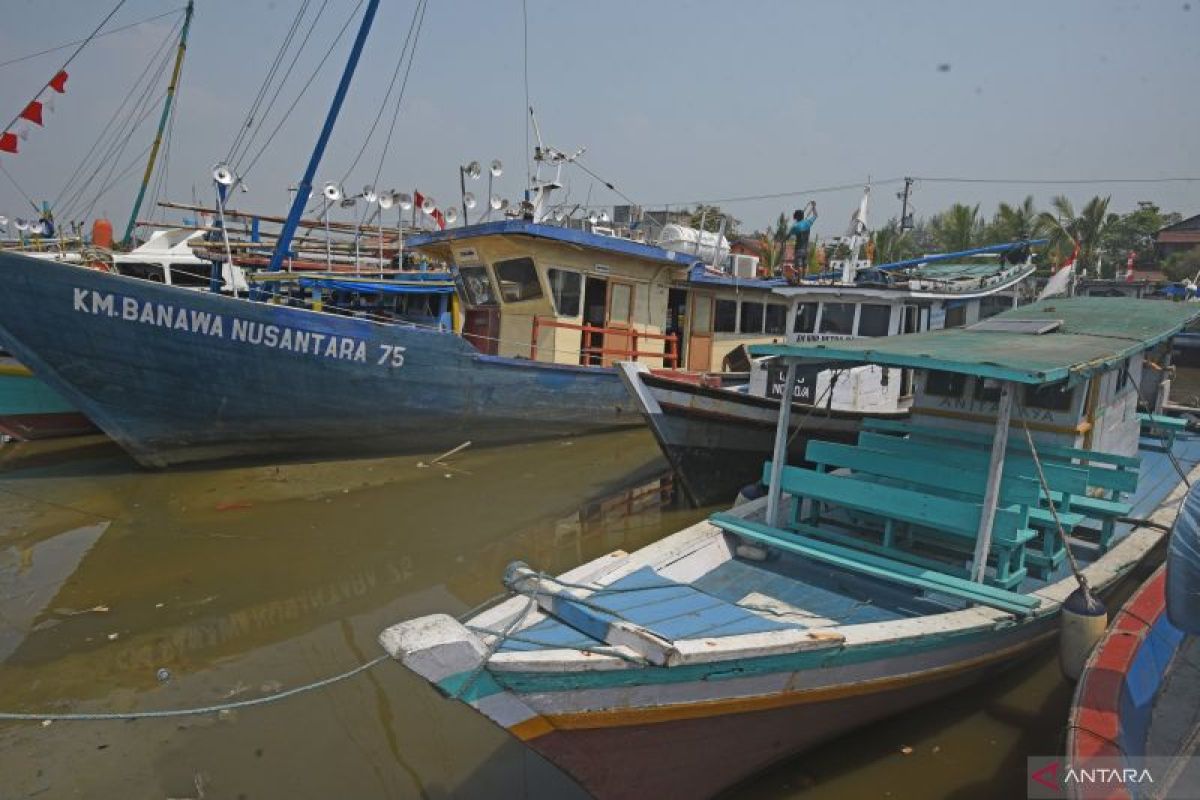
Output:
x=1068 y=483
x=943 y=515
x=877 y=566
x=961 y=480
x=1163 y=428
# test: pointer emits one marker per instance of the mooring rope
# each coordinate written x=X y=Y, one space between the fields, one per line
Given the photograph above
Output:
x=191 y=712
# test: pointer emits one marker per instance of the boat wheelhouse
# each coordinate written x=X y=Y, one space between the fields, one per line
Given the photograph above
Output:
x=924 y=557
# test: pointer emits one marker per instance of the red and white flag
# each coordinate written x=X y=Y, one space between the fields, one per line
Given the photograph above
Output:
x=33 y=114
x=1129 y=266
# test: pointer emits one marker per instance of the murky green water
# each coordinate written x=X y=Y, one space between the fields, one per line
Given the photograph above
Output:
x=245 y=581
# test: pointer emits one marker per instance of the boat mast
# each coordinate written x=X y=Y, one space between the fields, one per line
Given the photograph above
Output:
x=162 y=124
x=283 y=244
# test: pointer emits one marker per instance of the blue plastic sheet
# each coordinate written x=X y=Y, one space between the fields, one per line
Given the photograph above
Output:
x=1183 y=566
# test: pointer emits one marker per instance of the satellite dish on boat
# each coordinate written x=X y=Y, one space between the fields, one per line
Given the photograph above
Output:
x=469 y=200
x=451 y=215
x=223 y=175
x=387 y=200
x=473 y=171
x=428 y=205
x=496 y=168
x=369 y=194
x=404 y=200
x=332 y=192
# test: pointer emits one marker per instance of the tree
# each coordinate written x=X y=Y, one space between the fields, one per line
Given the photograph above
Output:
x=1183 y=266
x=892 y=244
x=957 y=228
x=1134 y=232
x=708 y=218
x=1016 y=223
x=1066 y=229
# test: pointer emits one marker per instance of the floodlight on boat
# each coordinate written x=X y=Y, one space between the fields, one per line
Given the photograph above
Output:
x=473 y=170
x=604 y=216
x=332 y=192
x=37 y=228
x=387 y=200
x=469 y=200
x=3 y=221
x=558 y=215
x=404 y=200
x=428 y=205
x=593 y=218
x=495 y=202
x=451 y=215
x=22 y=225
x=369 y=193
x=496 y=168
x=223 y=175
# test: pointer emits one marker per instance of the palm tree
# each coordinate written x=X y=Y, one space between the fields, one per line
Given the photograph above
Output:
x=1017 y=223
x=957 y=228
x=1066 y=230
x=770 y=254
x=891 y=243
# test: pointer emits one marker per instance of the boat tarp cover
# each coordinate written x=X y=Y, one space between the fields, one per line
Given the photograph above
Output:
x=1183 y=566
x=382 y=287
x=1095 y=334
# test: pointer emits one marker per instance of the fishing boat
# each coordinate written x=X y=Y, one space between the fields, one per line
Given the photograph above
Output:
x=29 y=409
x=716 y=438
x=925 y=557
x=1134 y=728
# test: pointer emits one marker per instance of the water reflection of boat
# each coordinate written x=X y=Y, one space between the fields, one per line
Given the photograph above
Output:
x=929 y=558
x=29 y=409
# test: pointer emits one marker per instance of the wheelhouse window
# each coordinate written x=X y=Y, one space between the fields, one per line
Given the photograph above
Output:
x=620 y=303
x=725 y=319
x=956 y=317
x=477 y=286
x=992 y=305
x=776 y=322
x=567 y=289
x=837 y=318
x=806 y=318
x=518 y=280
x=752 y=318
x=1051 y=397
x=945 y=384
x=873 y=320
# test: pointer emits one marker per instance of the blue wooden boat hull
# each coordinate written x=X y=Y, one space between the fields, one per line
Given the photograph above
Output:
x=174 y=375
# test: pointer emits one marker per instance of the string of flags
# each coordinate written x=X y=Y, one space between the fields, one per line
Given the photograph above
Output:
x=33 y=113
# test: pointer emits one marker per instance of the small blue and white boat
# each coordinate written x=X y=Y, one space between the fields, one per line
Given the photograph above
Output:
x=925 y=557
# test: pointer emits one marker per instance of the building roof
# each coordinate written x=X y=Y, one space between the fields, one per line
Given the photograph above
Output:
x=1046 y=342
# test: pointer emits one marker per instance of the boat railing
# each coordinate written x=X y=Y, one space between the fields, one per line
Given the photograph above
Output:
x=669 y=354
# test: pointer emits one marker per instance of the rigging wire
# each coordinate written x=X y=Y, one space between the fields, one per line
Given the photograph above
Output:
x=78 y=49
x=55 y=49
x=266 y=113
x=303 y=89
x=116 y=115
x=414 y=30
x=265 y=86
x=527 y=117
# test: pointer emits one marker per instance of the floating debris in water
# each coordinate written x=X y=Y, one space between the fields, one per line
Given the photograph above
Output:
x=906 y=750
x=163 y=674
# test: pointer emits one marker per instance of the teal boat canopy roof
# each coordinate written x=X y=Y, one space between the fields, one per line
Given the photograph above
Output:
x=1045 y=342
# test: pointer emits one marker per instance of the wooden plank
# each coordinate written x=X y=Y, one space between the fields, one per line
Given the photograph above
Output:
x=879 y=567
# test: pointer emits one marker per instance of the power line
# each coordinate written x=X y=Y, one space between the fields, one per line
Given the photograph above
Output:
x=778 y=195
x=1058 y=181
x=82 y=41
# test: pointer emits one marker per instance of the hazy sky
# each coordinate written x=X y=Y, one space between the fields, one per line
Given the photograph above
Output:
x=675 y=101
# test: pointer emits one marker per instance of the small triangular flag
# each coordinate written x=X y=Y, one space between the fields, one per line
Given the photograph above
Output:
x=59 y=82
x=8 y=142
x=23 y=132
x=33 y=112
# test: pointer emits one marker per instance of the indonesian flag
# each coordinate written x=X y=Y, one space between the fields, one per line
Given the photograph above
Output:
x=1129 y=266
x=33 y=112
x=8 y=142
x=438 y=216
x=59 y=82
x=1060 y=282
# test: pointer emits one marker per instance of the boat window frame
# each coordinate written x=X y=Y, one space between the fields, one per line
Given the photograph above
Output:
x=716 y=316
x=554 y=294
x=537 y=280
x=781 y=328
x=762 y=316
x=468 y=294
x=853 y=318
x=800 y=306
x=887 y=322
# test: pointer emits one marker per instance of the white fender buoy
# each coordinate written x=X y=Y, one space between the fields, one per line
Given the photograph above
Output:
x=1082 y=624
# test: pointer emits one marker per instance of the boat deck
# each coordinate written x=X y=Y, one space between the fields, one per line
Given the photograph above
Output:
x=739 y=595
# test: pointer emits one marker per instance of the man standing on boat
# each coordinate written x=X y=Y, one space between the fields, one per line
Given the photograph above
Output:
x=803 y=220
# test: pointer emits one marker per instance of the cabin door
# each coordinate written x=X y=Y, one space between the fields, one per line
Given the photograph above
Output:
x=700 y=333
x=595 y=312
x=618 y=339
x=481 y=327
x=910 y=322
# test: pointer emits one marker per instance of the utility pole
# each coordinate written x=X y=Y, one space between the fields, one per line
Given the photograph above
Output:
x=906 y=223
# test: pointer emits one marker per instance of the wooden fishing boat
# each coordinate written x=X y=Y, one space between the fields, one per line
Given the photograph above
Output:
x=716 y=438
x=29 y=409
x=924 y=558
x=1134 y=728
